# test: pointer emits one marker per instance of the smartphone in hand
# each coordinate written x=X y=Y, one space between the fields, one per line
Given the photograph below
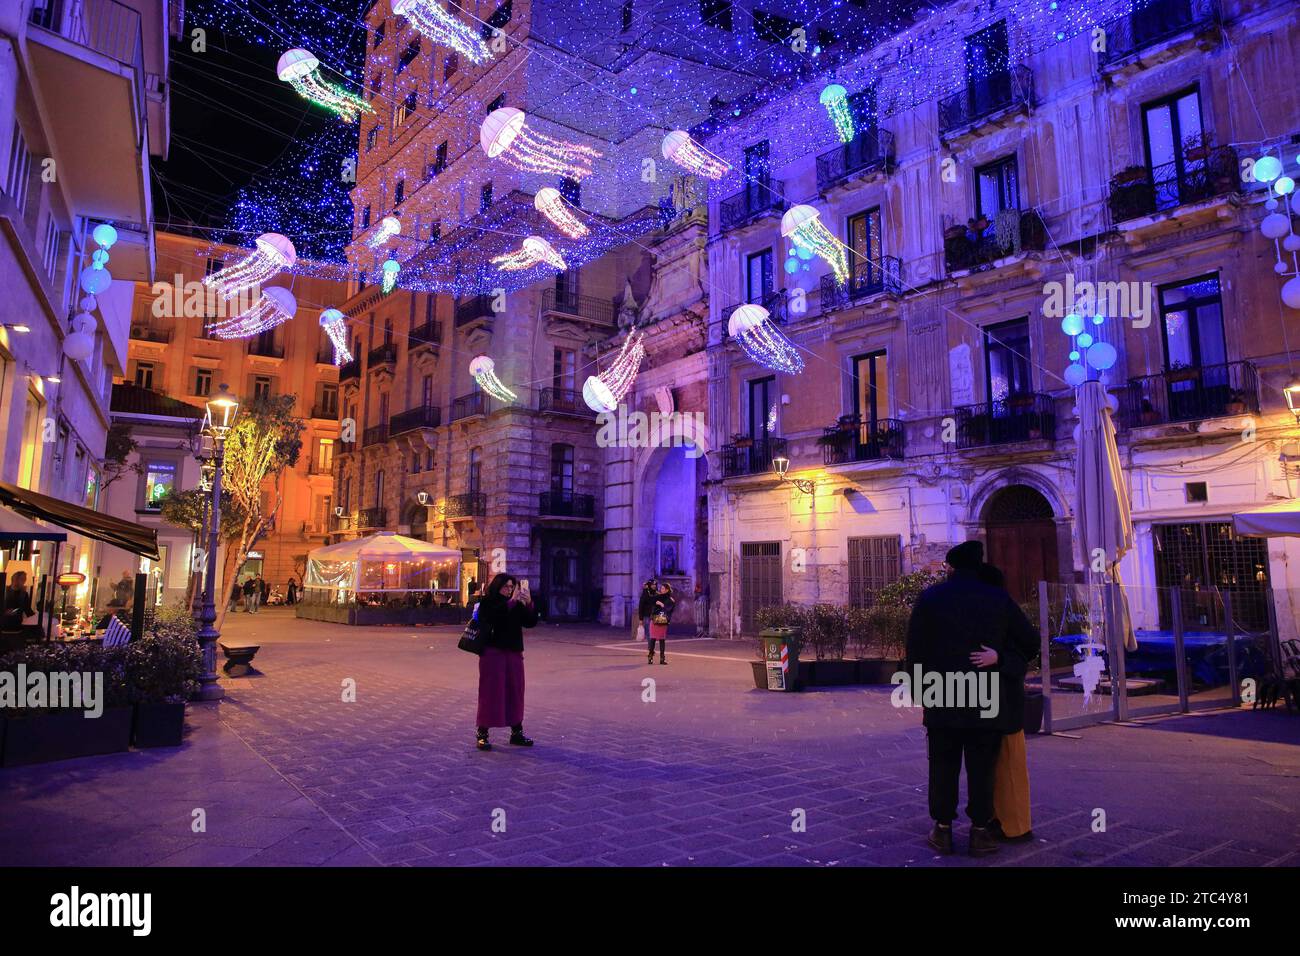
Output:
x=524 y=594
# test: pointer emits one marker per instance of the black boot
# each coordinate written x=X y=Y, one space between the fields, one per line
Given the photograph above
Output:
x=517 y=736
x=482 y=742
x=982 y=841
x=941 y=838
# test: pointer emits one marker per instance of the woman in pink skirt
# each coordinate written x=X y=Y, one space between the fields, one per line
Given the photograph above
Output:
x=661 y=613
x=504 y=612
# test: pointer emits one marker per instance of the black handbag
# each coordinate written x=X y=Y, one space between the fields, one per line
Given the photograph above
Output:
x=472 y=639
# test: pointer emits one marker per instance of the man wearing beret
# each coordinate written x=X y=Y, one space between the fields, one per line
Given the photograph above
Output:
x=957 y=628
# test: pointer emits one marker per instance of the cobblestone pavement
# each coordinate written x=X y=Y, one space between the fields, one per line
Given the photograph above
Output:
x=710 y=772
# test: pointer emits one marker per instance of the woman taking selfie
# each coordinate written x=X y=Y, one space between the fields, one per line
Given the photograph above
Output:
x=504 y=612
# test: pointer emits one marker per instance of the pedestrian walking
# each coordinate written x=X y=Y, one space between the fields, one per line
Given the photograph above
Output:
x=292 y=591
x=265 y=587
x=644 y=608
x=236 y=593
x=251 y=592
x=506 y=609
x=660 y=614
x=951 y=623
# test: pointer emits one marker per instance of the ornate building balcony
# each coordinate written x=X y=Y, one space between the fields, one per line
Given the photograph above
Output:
x=565 y=504
x=589 y=307
x=1017 y=418
x=986 y=101
x=1190 y=394
x=372 y=518
x=870 y=151
x=564 y=401
x=469 y=505
x=751 y=456
x=467 y=406
x=145 y=333
x=426 y=336
x=1155 y=31
x=350 y=370
x=886 y=278
x=326 y=412
x=474 y=309
x=374 y=435
x=755 y=200
x=1204 y=173
x=422 y=416
x=852 y=439
x=980 y=243
x=381 y=355
x=265 y=349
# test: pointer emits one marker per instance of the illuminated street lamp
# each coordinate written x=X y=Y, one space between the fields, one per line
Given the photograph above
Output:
x=780 y=465
x=218 y=420
x=1292 y=395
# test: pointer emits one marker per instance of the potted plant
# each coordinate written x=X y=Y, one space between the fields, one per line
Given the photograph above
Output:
x=882 y=628
x=162 y=673
x=1148 y=414
x=1181 y=372
x=828 y=631
x=1236 y=404
x=742 y=441
x=1129 y=175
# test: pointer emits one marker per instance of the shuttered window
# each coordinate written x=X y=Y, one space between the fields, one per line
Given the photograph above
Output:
x=760 y=580
x=873 y=563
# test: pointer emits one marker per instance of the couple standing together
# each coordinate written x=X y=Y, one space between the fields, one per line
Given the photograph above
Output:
x=959 y=628
x=653 y=612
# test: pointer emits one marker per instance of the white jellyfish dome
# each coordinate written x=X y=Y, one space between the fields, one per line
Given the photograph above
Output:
x=295 y=64
x=545 y=196
x=598 y=396
x=674 y=142
x=277 y=247
x=282 y=298
x=745 y=318
x=331 y=316
x=391 y=224
x=832 y=94
x=796 y=217
x=482 y=365
x=391 y=265
x=539 y=247
x=499 y=130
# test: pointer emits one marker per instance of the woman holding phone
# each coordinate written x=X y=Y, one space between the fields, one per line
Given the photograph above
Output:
x=504 y=612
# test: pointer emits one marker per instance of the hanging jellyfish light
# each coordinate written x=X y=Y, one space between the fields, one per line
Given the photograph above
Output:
x=752 y=327
x=535 y=250
x=273 y=252
x=300 y=70
x=802 y=225
x=550 y=203
x=334 y=323
x=603 y=392
x=679 y=148
x=438 y=25
x=504 y=134
x=836 y=100
x=484 y=371
x=388 y=227
x=273 y=307
x=391 y=268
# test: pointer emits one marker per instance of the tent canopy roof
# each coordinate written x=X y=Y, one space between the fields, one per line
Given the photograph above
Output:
x=1273 y=520
x=93 y=524
x=386 y=545
x=14 y=527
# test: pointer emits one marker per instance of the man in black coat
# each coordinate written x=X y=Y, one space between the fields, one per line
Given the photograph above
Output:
x=955 y=625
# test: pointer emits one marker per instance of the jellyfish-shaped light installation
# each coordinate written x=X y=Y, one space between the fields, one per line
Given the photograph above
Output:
x=334 y=323
x=485 y=374
x=274 y=306
x=679 y=148
x=534 y=250
x=802 y=225
x=506 y=134
x=301 y=70
x=551 y=204
x=273 y=252
x=438 y=25
x=391 y=268
x=388 y=227
x=836 y=100
x=603 y=392
x=752 y=327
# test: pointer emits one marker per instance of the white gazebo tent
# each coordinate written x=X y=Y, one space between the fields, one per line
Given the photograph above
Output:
x=384 y=564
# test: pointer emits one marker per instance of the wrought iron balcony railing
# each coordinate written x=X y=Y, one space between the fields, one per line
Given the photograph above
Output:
x=870 y=150
x=475 y=403
x=374 y=435
x=1157 y=22
x=984 y=97
x=777 y=304
x=105 y=26
x=853 y=439
x=325 y=355
x=1016 y=418
x=372 y=518
x=350 y=370
x=1203 y=173
x=1191 y=393
x=583 y=306
x=473 y=308
x=751 y=202
x=385 y=354
x=422 y=416
x=467 y=505
x=265 y=349
x=142 y=333
x=428 y=335
x=866 y=281
x=751 y=456
x=564 y=400
x=566 y=504
x=980 y=242
x=327 y=411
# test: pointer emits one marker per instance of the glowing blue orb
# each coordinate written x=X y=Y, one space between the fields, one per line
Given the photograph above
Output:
x=803 y=252
x=791 y=266
x=1074 y=355
x=1076 y=375
x=94 y=281
x=104 y=235
x=1284 y=186
x=1098 y=319
x=1072 y=324
x=1102 y=356
x=1085 y=339
x=1267 y=169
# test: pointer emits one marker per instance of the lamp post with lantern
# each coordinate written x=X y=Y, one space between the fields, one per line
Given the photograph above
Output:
x=217 y=423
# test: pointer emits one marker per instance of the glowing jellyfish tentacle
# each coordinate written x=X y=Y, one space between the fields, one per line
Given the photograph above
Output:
x=551 y=204
x=273 y=307
x=299 y=69
x=605 y=391
x=272 y=253
x=534 y=250
x=388 y=227
x=751 y=326
x=430 y=19
x=679 y=148
x=334 y=323
x=506 y=135
x=835 y=99
x=802 y=225
x=484 y=371
x=391 y=268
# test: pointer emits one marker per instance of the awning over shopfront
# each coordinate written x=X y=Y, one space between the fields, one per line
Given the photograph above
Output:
x=14 y=527
x=1276 y=519
x=93 y=524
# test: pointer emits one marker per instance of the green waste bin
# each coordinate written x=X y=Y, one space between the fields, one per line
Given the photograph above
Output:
x=781 y=657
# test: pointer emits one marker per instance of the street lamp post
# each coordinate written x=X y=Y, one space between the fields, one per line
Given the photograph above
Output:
x=206 y=459
x=220 y=419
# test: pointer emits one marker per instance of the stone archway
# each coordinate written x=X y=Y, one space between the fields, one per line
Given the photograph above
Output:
x=1020 y=537
x=416 y=519
x=670 y=527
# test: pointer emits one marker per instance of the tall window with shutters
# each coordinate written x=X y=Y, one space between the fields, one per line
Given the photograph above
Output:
x=873 y=563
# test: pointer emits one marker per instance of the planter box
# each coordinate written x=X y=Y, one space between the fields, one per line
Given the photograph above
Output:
x=876 y=671
x=64 y=735
x=832 y=673
x=158 y=725
x=1033 y=713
